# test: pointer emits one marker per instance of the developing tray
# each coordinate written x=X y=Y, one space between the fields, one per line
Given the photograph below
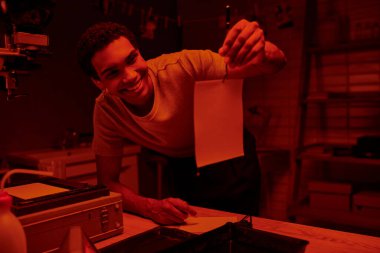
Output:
x=152 y=241
x=229 y=238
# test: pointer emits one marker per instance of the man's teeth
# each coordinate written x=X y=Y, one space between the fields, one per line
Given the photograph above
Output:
x=135 y=87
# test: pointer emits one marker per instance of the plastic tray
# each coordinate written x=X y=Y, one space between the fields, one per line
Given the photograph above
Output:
x=229 y=238
x=155 y=240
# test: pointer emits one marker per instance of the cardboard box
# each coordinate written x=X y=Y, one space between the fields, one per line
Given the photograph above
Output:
x=367 y=203
x=330 y=195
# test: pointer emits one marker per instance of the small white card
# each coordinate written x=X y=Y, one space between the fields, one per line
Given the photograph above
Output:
x=198 y=225
x=218 y=121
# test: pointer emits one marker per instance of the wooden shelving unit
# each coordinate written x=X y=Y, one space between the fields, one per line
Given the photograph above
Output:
x=339 y=103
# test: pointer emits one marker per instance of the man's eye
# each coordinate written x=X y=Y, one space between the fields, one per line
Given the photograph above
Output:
x=112 y=74
x=131 y=59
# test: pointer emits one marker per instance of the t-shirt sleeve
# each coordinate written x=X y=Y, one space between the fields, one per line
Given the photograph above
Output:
x=203 y=64
x=105 y=142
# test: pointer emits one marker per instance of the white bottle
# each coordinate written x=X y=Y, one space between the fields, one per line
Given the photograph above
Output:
x=12 y=235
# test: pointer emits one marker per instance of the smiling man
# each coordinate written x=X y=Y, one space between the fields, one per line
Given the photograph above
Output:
x=124 y=73
x=151 y=103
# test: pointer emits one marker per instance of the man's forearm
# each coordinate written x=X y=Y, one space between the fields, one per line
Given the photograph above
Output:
x=167 y=211
x=132 y=202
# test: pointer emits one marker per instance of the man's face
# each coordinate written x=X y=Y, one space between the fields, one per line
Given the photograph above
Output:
x=123 y=72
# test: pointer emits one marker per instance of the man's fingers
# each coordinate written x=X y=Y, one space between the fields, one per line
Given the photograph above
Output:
x=249 y=30
x=182 y=206
x=173 y=210
x=240 y=45
x=257 y=53
x=170 y=211
x=248 y=46
x=163 y=212
x=231 y=36
x=192 y=211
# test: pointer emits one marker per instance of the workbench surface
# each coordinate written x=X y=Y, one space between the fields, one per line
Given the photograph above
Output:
x=320 y=239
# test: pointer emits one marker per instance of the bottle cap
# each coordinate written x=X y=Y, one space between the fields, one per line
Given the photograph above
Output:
x=5 y=199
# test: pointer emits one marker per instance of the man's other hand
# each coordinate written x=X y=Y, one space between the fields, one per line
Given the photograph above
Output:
x=169 y=211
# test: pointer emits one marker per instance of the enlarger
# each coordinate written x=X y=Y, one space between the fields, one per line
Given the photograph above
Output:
x=21 y=24
x=47 y=207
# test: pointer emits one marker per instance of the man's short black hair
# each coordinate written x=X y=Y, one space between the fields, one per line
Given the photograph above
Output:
x=97 y=37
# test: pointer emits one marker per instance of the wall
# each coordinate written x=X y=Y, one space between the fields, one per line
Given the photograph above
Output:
x=278 y=96
x=60 y=96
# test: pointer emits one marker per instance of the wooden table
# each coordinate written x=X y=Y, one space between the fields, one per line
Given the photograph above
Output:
x=320 y=239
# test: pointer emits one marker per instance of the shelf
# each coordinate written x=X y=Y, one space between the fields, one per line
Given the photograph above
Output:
x=348 y=218
x=318 y=152
x=73 y=156
x=345 y=47
x=343 y=97
x=328 y=157
x=8 y=53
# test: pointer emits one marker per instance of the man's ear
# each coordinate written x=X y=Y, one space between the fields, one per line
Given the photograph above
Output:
x=98 y=83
